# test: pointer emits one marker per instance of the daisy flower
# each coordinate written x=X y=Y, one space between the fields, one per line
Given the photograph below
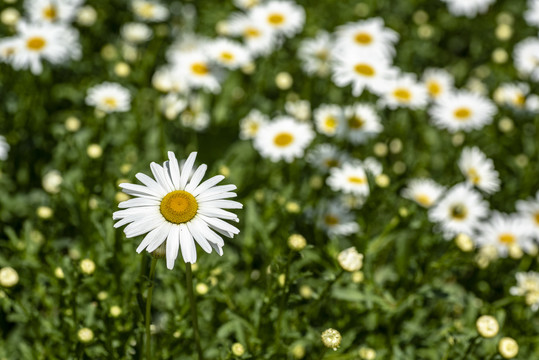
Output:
x=529 y=212
x=150 y=11
x=361 y=123
x=361 y=70
x=468 y=8
x=315 y=54
x=531 y=105
x=526 y=58
x=368 y=36
x=196 y=69
x=8 y=47
x=462 y=110
x=532 y=13
x=300 y=109
x=438 y=82
x=479 y=170
x=55 y=43
x=337 y=220
x=228 y=53
x=459 y=211
x=404 y=91
x=284 y=138
x=282 y=17
x=350 y=178
x=136 y=33
x=172 y=105
x=251 y=124
x=528 y=286
x=52 y=11
x=109 y=97
x=258 y=39
x=512 y=94
x=246 y=4
x=327 y=119
x=372 y=166
x=178 y=209
x=4 y=148
x=503 y=231
x=165 y=79
x=195 y=116
x=424 y=192
x=325 y=157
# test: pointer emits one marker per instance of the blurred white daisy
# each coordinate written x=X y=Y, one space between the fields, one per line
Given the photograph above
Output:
x=195 y=67
x=260 y=40
x=372 y=166
x=55 y=43
x=4 y=148
x=528 y=286
x=361 y=123
x=251 y=124
x=526 y=58
x=532 y=13
x=404 y=91
x=512 y=94
x=300 y=109
x=479 y=170
x=349 y=178
x=361 y=71
x=328 y=119
x=529 y=211
x=325 y=156
x=424 y=192
x=178 y=209
x=369 y=36
x=337 y=220
x=8 y=47
x=109 y=97
x=165 y=79
x=246 y=4
x=151 y=11
x=282 y=17
x=462 y=110
x=468 y=8
x=284 y=138
x=438 y=82
x=228 y=53
x=172 y=105
x=195 y=115
x=531 y=105
x=136 y=33
x=315 y=54
x=504 y=231
x=459 y=211
x=52 y=11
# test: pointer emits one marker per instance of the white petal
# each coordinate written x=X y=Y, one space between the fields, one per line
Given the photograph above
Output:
x=216 y=190
x=218 y=213
x=138 y=202
x=140 y=189
x=148 y=238
x=225 y=195
x=208 y=233
x=151 y=183
x=174 y=170
x=189 y=251
x=197 y=235
x=222 y=204
x=157 y=241
x=218 y=249
x=142 y=227
x=208 y=184
x=161 y=177
x=186 y=169
x=218 y=223
x=196 y=178
x=173 y=242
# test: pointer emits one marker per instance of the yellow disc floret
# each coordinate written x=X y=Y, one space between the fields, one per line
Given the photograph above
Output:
x=178 y=207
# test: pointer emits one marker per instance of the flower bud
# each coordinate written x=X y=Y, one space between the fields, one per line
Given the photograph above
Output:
x=487 y=326
x=331 y=338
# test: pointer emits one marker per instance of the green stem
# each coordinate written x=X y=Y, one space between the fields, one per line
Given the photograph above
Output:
x=192 y=300
x=470 y=347
x=148 y=310
x=284 y=296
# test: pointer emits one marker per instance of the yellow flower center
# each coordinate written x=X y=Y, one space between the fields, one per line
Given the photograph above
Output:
x=520 y=100
x=283 y=139
x=200 y=69
x=251 y=32
x=474 y=176
x=507 y=238
x=434 y=88
x=227 y=56
x=253 y=127
x=330 y=122
x=458 y=212
x=322 y=54
x=49 y=12
x=111 y=102
x=355 y=122
x=462 y=113
x=536 y=218
x=178 y=207
x=35 y=43
x=331 y=220
x=356 y=180
x=364 y=69
x=363 y=38
x=403 y=95
x=275 y=19
x=423 y=199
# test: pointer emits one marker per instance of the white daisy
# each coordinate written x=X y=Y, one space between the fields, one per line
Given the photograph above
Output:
x=315 y=54
x=368 y=36
x=468 y=8
x=532 y=13
x=462 y=110
x=55 y=43
x=438 y=82
x=196 y=115
x=479 y=170
x=172 y=105
x=51 y=11
x=531 y=105
x=325 y=157
x=337 y=220
x=328 y=119
x=300 y=109
x=459 y=211
x=165 y=79
x=503 y=231
x=526 y=58
x=529 y=212
x=8 y=47
x=109 y=97
x=177 y=209
x=283 y=139
x=361 y=123
x=350 y=178
x=404 y=91
x=150 y=11
x=136 y=33
x=4 y=148
x=246 y=4
x=372 y=166
x=251 y=124
x=512 y=94
x=260 y=40
x=361 y=71
x=228 y=53
x=424 y=192
x=528 y=286
x=195 y=67
x=282 y=17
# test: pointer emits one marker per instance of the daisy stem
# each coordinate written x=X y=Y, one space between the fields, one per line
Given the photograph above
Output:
x=192 y=300
x=149 y=308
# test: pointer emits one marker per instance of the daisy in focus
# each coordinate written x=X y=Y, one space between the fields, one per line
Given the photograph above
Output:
x=51 y=11
x=479 y=170
x=350 y=178
x=424 y=192
x=282 y=17
x=250 y=124
x=404 y=91
x=438 y=82
x=337 y=220
x=4 y=148
x=529 y=212
x=459 y=211
x=315 y=54
x=284 y=138
x=327 y=119
x=468 y=8
x=368 y=36
x=528 y=286
x=361 y=123
x=109 y=97
x=462 y=110
x=177 y=208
